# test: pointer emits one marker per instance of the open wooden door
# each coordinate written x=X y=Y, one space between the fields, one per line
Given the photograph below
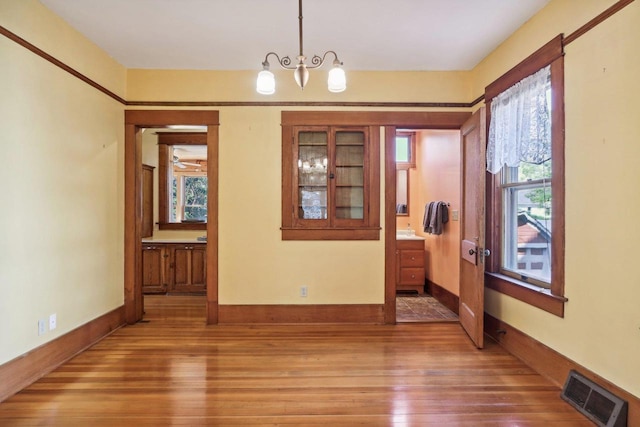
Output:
x=473 y=148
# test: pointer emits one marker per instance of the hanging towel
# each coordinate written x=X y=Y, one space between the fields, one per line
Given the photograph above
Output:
x=426 y=221
x=436 y=215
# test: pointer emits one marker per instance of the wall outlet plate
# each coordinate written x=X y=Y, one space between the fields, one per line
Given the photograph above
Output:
x=53 y=321
x=42 y=326
x=303 y=291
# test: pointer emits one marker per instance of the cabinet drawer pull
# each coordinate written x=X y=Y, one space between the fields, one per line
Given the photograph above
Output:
x=150 y=247
x=413 y=276
x=413 y=258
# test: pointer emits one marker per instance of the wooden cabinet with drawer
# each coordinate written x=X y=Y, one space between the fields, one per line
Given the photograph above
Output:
x=174 y=268
x=154 y=277
x=410 y=265
x=188 y=268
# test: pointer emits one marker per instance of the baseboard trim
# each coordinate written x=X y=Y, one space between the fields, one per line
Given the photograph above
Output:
x=551 y=364
x=445 y=297
x=33 y=365
x=301 y=313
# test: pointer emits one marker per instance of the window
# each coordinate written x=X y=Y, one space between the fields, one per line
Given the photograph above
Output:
x=525 y=199
x=182 y=180
x=405 y=145
x=330 y=183
x=188 y=197
x=405 y=150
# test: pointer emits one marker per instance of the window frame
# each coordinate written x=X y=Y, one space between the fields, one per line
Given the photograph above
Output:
x=165 y=140
x=294 y=228
x=411 y=164
x=552 y=299
x=180 y=186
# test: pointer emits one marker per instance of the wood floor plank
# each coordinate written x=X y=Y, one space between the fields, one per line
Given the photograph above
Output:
x=172 y=369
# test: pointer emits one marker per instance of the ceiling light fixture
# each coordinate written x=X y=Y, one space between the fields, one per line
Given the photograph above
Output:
x=266 y=83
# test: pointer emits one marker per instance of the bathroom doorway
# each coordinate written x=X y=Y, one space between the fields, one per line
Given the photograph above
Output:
x=427 y=259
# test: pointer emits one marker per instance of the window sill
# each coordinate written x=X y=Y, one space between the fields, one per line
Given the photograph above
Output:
x=183 y=226
x=533 y=295
x=330 y=233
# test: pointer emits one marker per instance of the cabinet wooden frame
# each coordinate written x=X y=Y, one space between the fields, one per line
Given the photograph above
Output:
x=331 y=228
x=165 y=140
x=187 y=268
x=154 y=269
x=174 y=268
x=551 y=300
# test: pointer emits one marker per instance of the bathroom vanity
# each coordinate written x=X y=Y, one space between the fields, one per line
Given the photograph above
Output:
x=410 y=274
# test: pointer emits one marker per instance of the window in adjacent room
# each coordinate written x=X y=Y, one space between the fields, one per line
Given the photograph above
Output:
x=182 y=180
x=405 y=150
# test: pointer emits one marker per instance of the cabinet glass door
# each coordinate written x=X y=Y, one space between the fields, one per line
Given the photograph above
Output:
x=312 y=174
x=349 y=174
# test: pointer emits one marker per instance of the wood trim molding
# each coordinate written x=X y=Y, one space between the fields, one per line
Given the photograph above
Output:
x=360 y=104
x=44 y=55
x=617 y=7
x=390 y=224
x=403 y=119
x=526 y=293
x=445 y=297
x=549 y=363
x=537 y=60
x=28 y=368
x=301 y=313
x=163 y=118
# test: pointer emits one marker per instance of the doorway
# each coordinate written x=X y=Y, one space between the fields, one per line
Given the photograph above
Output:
x=135 y=122
x=427 y=172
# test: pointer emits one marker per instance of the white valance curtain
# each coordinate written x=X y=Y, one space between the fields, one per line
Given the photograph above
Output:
x=520 y=128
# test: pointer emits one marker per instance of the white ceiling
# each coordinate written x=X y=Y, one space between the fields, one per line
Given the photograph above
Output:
x=236 y=34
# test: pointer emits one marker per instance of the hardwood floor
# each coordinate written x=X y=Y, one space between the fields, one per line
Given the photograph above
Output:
x=174 y=370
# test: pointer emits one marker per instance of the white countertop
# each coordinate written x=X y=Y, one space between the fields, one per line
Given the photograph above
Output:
x=408 y=237
x=171 y=240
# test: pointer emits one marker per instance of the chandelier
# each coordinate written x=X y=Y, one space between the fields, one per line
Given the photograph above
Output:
x=266 y=83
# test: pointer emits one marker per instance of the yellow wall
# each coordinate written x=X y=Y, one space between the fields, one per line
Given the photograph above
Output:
x=256 y=266
x=600 y=329
x=439 y=154
x=62 y=249
x=234 y=86
x=61 y=222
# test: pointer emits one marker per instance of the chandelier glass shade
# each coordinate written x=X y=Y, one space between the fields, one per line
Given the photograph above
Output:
x=266 y=83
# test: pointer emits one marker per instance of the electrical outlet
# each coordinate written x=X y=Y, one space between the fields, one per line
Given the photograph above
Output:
x=42 y=326
x=53 y=322
x=303 y=291
x=455 y=215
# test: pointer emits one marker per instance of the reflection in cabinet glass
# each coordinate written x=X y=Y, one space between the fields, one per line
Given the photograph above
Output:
x=312 y=175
